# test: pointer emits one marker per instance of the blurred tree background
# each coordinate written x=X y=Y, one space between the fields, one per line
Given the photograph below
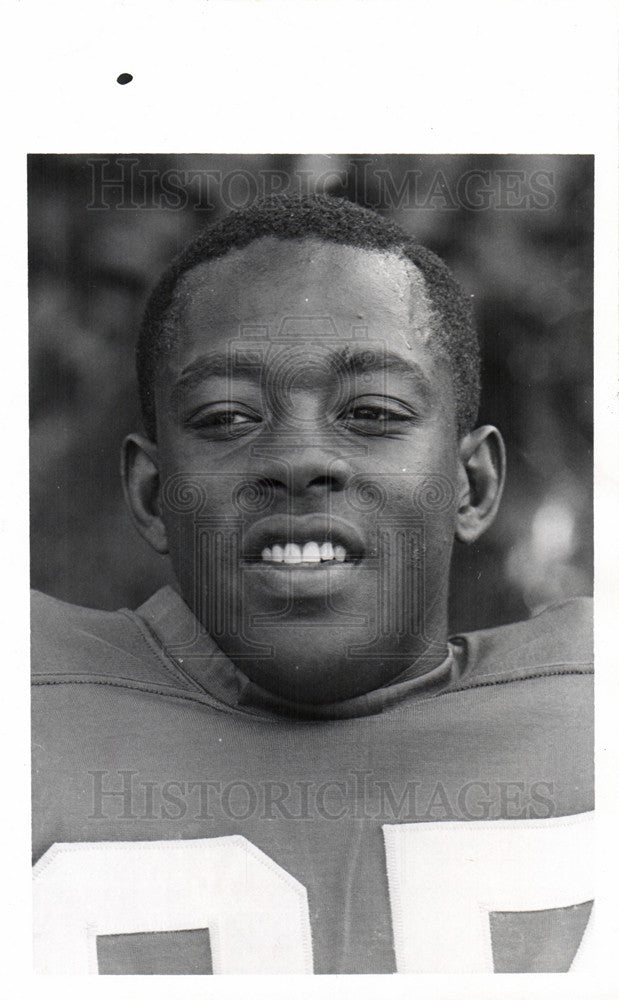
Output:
x=516 y=230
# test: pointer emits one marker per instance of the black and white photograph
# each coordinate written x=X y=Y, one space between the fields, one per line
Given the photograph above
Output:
x=310 y=499
x=347 y=699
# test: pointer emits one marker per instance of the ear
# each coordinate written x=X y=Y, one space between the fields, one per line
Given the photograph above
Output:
x=481 y=477
x=139 y=470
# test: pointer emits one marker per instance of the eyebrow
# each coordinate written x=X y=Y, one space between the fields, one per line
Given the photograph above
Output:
x=357 y=361
x=212 y=365
x=361 y=361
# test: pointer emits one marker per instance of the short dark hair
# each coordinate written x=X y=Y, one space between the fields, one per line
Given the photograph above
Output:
x=333 y=220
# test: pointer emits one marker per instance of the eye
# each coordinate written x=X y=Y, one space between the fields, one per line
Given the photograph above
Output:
x=223 y=421
x=375 y=415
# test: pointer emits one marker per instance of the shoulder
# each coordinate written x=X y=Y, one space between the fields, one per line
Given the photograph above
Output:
x=52 y=618
x=557 y=641
x=76 y=644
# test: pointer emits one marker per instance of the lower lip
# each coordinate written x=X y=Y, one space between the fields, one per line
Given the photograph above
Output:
x=297 y=580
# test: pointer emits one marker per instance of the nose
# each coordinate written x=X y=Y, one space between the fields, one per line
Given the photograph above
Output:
x=304 y=470
x=304 y=461
x=302 y=455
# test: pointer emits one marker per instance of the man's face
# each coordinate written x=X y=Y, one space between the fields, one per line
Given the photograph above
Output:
x=308 y=459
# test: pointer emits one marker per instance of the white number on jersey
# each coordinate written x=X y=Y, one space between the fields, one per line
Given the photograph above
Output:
x=445 y=879
x=256 y=913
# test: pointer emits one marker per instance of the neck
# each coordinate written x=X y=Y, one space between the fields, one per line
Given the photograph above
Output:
x=239 y=684
x=327 y=665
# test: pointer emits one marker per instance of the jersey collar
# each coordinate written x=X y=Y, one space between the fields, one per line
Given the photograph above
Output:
x=207 y=668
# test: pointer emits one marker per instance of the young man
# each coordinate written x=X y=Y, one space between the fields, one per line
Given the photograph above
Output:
x=283 y=765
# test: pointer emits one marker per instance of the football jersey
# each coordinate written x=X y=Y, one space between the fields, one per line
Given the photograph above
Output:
x=186 y=821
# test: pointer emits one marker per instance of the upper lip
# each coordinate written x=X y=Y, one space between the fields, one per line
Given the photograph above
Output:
x=301 y=528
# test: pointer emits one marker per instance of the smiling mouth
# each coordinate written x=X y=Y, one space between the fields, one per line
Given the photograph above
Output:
x=311 y=553
x=308 y=541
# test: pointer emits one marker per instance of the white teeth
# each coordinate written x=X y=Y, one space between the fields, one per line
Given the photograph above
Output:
x=292 y=553
x=310 y=552
x=326 y=552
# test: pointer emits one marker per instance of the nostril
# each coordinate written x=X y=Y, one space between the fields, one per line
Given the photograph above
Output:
x=301 y=471
x=328 y=482
x=269 y=485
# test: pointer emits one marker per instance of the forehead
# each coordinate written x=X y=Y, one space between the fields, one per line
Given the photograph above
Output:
x=318 y=289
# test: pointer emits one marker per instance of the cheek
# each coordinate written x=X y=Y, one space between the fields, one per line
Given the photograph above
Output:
x=425 y=503
x=423 y=484
x=206 y=512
